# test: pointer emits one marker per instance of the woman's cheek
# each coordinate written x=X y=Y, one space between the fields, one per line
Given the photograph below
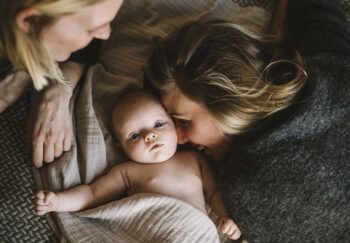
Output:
x=80 y=42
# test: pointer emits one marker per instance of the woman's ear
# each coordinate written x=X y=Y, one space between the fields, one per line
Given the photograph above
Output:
x=26 y=17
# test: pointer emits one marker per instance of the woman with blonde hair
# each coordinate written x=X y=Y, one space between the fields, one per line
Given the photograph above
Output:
x=274 y=121
x=36 y=39
x=225 y=78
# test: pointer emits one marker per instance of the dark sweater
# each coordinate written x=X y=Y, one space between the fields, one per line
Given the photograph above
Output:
x=289 y=179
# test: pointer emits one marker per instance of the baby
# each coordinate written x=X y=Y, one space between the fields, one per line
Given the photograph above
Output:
x=148 y=136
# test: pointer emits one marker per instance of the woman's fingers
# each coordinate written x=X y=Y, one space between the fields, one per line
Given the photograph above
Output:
x=52 y=125
x=38 y=151
x=49 y=150
x=41 y=118
x=67 y=140
x=58 y=146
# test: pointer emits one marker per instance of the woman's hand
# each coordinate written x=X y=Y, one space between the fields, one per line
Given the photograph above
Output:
x=50 y=124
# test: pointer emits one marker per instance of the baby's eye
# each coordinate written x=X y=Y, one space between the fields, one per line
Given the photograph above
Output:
x=159 y=124
x=133 y=136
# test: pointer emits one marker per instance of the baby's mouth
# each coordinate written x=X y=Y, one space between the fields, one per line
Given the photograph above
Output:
x=155 y=146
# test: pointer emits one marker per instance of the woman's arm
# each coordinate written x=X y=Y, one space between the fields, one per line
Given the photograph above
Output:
x=50 y=124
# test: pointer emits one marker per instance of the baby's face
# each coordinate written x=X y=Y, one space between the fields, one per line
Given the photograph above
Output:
x=145 y=131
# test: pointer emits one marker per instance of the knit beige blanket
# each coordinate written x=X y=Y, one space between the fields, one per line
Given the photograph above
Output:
x=143 y=217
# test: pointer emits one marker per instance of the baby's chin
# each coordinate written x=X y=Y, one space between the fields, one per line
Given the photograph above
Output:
x=158 y=157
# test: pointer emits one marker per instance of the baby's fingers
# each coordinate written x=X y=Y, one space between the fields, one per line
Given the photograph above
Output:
x=223 y=226
x=49 y=197
x=234 y=233
x=39 y=201
x=40 y=212
x=40 y=195
x=39 y=208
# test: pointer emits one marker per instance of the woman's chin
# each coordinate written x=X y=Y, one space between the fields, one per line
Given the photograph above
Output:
x=62 y=57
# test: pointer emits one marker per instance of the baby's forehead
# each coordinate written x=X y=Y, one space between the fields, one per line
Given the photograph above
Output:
x=136 y=102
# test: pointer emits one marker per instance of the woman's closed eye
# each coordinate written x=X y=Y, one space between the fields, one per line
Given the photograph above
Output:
x=133 y=136
x=182 y=122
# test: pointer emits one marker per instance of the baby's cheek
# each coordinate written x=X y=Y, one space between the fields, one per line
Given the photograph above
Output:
x=135 y=151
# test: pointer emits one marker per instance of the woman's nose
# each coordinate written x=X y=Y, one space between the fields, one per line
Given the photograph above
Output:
x=103 y=33
x=151 y=136
x=181 y=136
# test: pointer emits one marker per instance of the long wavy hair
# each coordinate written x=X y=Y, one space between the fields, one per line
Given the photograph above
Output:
x=25 y=50
x=238 y=76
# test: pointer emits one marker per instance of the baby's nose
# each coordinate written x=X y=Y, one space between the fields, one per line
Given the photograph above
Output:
x=151 y=136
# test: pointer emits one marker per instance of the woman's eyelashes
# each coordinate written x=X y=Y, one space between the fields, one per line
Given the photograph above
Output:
x=183 y=123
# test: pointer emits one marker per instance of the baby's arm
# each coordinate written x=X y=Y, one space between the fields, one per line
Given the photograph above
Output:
x=105 y=189
x=225 y=224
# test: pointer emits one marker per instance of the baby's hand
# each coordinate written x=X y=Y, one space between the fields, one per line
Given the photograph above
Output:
x=228 y=227
x=46 y=202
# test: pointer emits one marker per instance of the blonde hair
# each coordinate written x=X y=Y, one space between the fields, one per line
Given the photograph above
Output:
x=25 y=50
x=238 y=76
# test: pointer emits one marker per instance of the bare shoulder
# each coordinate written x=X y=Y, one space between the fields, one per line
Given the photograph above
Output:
x=191 y=155
x=122 y=167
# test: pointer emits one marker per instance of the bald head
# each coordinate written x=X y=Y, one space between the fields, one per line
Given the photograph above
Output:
x=129 y=103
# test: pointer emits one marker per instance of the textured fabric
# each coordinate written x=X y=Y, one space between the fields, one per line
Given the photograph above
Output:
x=289 y=179
x=18 y=222
x=141 y=218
